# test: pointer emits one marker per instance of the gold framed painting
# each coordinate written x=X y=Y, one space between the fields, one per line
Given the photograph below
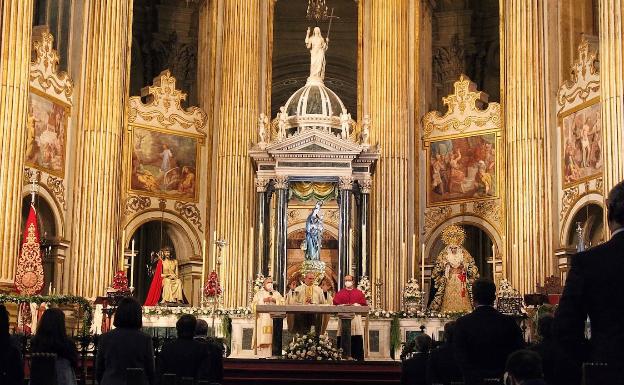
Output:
x=463 y=168
x=581 y=143
x=163 y=163
x=46 y=138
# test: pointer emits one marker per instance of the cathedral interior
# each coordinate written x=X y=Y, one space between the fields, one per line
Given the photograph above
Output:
x=146 y=124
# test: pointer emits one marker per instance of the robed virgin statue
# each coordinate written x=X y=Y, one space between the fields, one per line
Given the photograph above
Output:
x=314 y=234
x=453 y=274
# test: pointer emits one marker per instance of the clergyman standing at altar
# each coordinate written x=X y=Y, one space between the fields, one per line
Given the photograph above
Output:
x=307 y=294
x=350 y=295
x=263 y=332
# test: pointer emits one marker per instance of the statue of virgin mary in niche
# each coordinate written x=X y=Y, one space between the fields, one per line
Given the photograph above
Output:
x=314 y=234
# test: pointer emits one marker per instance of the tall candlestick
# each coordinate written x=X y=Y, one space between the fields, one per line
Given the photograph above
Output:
x=378 y=256
x=493 y=261
x=413 y=272
x=214 y=250
x=364 y=272
x=123 y=249
x=422 y=268
x=50 y=289
x=350 y=253
x=203 y=276
x=132 y=265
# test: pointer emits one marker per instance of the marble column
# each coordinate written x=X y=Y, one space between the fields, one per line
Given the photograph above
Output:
x=236 y=108
x=96 y=204
x=345 y=187
x=281 y=234
x=529 y=170
x=16 y=30
x=262 y=226
x=386 y=86
x=612 y=90
x=364 y=260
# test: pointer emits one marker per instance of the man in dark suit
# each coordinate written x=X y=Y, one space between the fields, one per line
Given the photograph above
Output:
x=594 y=289
x=484 y=338
x=442 y=365
x=184 y=357
x=414 y=367
x=214 y=369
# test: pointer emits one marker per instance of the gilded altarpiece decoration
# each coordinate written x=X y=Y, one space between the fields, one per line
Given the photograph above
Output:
x=579 y=135
x=463 y=159
x=162 y=163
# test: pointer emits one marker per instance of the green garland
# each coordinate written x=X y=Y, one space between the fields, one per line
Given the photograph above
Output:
x=82 y=302
x=395 y=335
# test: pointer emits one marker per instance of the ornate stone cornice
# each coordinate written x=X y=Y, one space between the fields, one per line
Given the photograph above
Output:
x=163 y=108
x=584 y=83
x=463 y=112
x=44 y=73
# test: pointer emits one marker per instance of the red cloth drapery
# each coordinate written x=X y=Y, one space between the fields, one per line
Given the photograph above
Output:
x=153 y=295
x=29 y=274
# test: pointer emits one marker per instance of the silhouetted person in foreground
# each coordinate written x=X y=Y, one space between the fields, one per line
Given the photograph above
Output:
x=214 y=369
x=524 y=367
x=442 y=367
x=125 y=347
x=414 y=368
x=594 y=289
x=11 y=366
x=550 y=352
x=484 y=338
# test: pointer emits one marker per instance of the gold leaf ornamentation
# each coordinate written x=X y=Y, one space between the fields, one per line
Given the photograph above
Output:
x=189 y=211
x=136 y=203
x=435 y=216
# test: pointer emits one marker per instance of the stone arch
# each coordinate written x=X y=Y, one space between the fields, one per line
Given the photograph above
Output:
x=472 y=220
x=568 y=225
x=53 y=205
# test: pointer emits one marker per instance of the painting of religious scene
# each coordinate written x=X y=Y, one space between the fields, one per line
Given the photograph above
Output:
x=462 y=169
x=164 y=164
x=45 y=140
x=582 y=145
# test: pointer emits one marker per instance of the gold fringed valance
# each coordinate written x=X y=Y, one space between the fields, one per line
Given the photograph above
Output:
x=304 y=191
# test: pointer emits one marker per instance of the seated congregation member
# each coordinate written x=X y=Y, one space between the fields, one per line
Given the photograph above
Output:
x=51 y=337
x=185 y=357
x=442 y=367
x=11 y=366
x=214 y=369
x=484 y=338
x=414 y=367
x=549 y=351
x=593 y=289
x=350 y=295
x=125 y=347
x=524 y=367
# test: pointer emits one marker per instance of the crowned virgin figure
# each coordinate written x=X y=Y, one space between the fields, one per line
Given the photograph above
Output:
x=314 y=234
x=453 y=274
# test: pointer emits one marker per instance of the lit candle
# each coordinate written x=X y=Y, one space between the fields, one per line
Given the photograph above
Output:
x=50 y=289
x=350 y=253
x=132 y=265
x=422 y=268
x=214 y=249
x=413 y=255
x=123 y=248
x=203 y=276
x=493 y=261
x=378 y=256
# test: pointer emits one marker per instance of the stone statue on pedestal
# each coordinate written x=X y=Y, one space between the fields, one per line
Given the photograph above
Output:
x=317 y=45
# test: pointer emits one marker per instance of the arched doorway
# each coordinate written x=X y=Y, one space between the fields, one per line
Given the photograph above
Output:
x=591 y=219
x=329 y=255
x=479 y=245
x=48 y=235
x=149 y=239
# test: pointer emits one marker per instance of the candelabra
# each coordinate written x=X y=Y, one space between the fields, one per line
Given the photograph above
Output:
x=317 y=10
x=378 y=285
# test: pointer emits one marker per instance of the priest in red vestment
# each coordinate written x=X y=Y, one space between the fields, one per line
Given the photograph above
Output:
x=350 y=295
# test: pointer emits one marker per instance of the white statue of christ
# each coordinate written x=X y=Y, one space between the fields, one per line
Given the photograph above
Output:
x=317 y=46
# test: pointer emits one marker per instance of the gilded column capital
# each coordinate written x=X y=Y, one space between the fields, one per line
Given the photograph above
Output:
x=281 y=182
x=262 y=184
x=345 y=183
x=365 y=185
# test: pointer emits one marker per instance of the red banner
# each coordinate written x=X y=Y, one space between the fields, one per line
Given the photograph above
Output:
x=29 y=275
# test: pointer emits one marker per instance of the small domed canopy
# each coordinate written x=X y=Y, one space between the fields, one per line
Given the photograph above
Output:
x=314 y=99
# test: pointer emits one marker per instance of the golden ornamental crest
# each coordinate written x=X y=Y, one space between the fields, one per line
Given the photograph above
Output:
x=453 y=235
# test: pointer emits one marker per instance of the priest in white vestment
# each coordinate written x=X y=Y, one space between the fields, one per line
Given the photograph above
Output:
x=307 y=294
x=263 y=333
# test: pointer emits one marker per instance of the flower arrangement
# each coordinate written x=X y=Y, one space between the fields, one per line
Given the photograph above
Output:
x=212 y=289
x=412 y=292
x=239 y=312
x=308 y=347
x=508 y=300
x=258 y=282
x=365 y=287
x=379 y=313
x=120 y=281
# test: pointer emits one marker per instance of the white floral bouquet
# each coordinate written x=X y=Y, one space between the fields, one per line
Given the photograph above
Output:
x=379 y=313
x=258 y=283
x=308 y=347
x=412 y=292
x=365 y=287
